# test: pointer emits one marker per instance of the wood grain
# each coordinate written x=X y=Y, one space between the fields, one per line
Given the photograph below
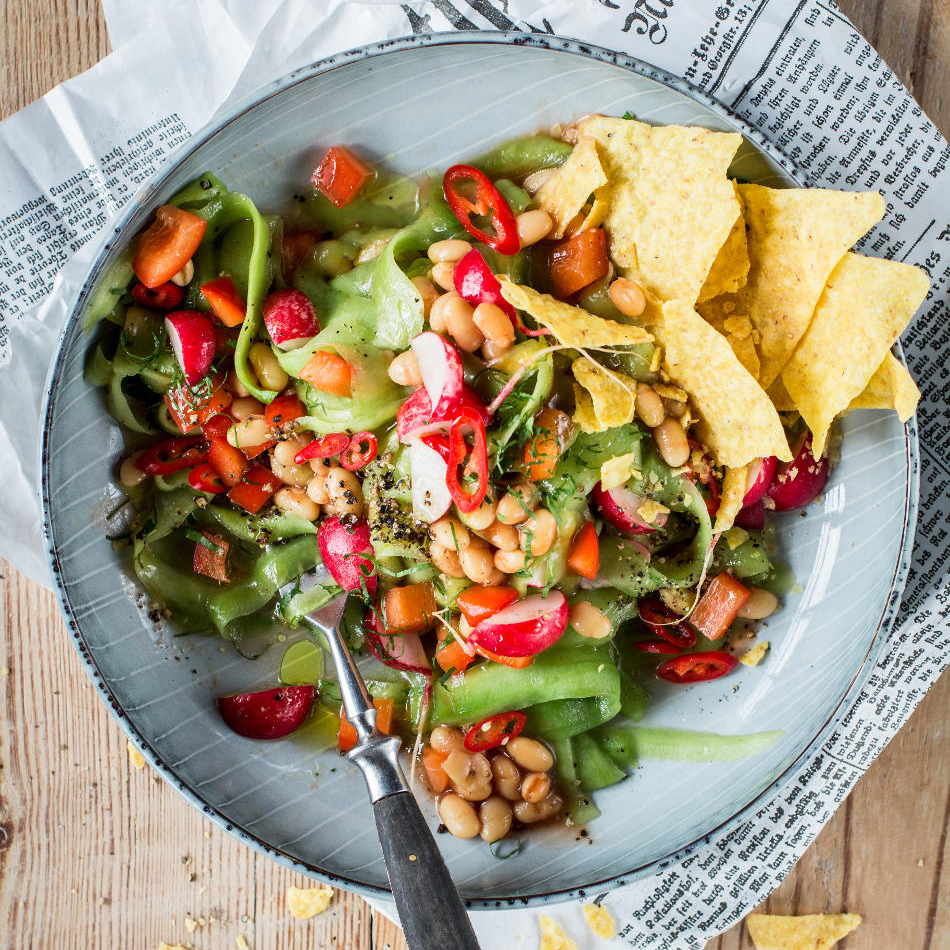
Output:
x=94 y=853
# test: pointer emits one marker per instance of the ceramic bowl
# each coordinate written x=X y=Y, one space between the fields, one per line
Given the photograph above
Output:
x=416 y=104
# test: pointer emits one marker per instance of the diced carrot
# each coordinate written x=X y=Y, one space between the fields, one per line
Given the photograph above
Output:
x=584 y=557
x=346 y=736
x=283 y=409
x=225 y=301
x=340 y=175
x=212 y=562
x=479 y=603
x=436 y=776
x=543 y=449
x=515 y=662
x=719 y=606
x=452 y=658
x=230 y=463
x=578 y=261
x=254 y=489
x=410 y=609
x=294 y=247
x=168 y=243
x=329 y=373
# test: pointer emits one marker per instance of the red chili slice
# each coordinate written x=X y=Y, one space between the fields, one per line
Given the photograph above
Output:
x=467 y=499
x=488 y=202
x=173 y=455
x=206 y=479
x=354 y=456
x=494 y=731
x=697 y=667
x=664 y=623
x=657 y=646
x=327 y=447
x=165 y=296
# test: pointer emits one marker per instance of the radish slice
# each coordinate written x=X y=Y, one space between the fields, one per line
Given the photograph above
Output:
x=340 y=544
x=290 y=318
x=428 y=470
x=398 y=651
x=269 y=713
x=191 y=335
x=525 y=628
x=441 y=369
x=620 y=508
x=752 y=517
x=415 y=418
x=761 y=473
x=799 y=482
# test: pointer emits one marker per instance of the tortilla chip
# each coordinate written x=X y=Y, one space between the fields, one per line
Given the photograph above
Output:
x=599 y=920
x=730 y=269
x=619 y=470
x=552 y=937
x=737 y=421
x=306 y=902
x=866 y=304
x=571 y=325
x=736 y=328
x=597 y=213
x=666 y=391
x=671 y=205
x=584 y=416
x=796 y=236
x=565 y=193
x=613 y=394
x=755 y=655
x=891 y=387
x=809 y=932
x=780 y=397
x=733 y=492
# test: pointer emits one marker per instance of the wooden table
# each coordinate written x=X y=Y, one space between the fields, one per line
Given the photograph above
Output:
x=95 y=854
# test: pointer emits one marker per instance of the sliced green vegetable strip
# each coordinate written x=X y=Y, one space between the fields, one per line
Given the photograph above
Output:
x=520 y=157
x=680 y=745
x=581 y=808
x=595 y=768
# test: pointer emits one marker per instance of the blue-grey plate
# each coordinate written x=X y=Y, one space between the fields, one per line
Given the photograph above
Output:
x=416 y=104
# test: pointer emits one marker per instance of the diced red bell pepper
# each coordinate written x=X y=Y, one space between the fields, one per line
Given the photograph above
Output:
x=190 y=408
x=225 y=301
x=255 y=488
x=211 y=558
x=719 y=606
x=173 y=455
x=284 y=409
x=204 y=477
x=340 y=175
x=578 y=261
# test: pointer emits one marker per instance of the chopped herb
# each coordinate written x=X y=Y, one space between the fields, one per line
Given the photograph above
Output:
x=495 y=850
x=205 y=542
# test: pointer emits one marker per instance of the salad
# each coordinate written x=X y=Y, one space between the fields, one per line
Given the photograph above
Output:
x=535 y=413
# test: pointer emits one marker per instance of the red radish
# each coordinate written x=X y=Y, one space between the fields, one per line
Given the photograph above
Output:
x=441 y=369
x=191 y=335
x=799 y=482
x=525 y=628
x=428 y=470
x=752 y=517
x=475 y=283
x=341 y=546
x=415 y=418
x=761 y=473
x=620 y=508
x=399 y=651
x=290 y=318
x=269 y=713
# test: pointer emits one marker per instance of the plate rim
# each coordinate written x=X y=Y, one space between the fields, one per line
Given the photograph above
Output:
x=105 y=244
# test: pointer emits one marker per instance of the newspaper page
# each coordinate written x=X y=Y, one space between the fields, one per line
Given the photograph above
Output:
x=796 y=69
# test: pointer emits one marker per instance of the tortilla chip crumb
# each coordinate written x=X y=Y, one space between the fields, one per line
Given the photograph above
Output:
x=756 y=655
x=242 y=943
x=552 y=937
x=135 y=757
x=734 y=537
x=171 y=946
x=650 y=510
x=619 y=470
x=599 y=920
x=191 y=925
x=808 y=932
x=306 y=902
